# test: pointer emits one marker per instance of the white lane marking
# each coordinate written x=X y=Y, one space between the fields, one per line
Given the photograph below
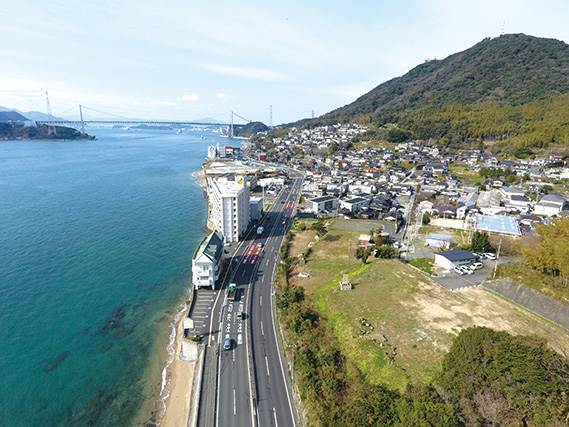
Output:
x=267 y=364
x=233 y=355
x=262 y=330
x=261 y=300
x=275 y=416
x=234 y=403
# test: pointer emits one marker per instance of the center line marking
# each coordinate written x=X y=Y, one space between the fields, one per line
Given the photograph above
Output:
x=275 y=415
x=234 y=403
x=262 y=330
x=267 y=363
x=261 y=300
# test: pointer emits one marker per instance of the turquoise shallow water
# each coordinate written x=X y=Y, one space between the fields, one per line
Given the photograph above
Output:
x=96 y=240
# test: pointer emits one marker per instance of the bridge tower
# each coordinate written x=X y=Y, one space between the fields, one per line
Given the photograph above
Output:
x=81 y=118
x=271 y=116
x=48 y=106
x=312 y=114
x=231 y=125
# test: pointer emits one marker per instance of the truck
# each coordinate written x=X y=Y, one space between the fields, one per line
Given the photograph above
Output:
x=260 y=230
x=232 y=292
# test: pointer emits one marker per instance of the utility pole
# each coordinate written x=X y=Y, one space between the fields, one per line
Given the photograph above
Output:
x=81 y=118
x=497 y=256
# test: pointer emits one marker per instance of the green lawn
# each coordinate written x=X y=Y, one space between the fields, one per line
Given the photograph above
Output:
x=466 y=174
x=424 y=264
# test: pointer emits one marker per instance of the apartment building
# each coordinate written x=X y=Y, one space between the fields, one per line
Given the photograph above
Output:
x=228 y=207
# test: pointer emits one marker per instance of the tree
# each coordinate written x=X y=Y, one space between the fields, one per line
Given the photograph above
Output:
x=480 y=242
x=385 y=251
x=398 y=135
x=426 y=220
x=494 y=378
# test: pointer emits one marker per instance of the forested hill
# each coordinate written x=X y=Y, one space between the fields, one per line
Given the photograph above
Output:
x=515 y=75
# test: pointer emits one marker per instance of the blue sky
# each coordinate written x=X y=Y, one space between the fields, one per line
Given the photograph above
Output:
x=189 y=59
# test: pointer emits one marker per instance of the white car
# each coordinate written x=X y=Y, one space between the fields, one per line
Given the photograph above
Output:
x=477 y=265
x=458 y=270
x=465 y=269
x=490 y=255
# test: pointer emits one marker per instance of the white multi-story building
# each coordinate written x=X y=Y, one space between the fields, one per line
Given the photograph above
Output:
x=207 y=261
x=228 y=207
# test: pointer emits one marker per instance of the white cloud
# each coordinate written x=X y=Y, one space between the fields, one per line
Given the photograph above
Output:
x=222 y=95
x=192 y=97
x=246 y=72
x=163 y=103
x=20 y=85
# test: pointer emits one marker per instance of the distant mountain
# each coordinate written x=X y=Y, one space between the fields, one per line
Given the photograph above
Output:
x=31 y=115
x=250 y=129
x=208 y=120
x=11 y=116
x=39 y=116
x=513 y=88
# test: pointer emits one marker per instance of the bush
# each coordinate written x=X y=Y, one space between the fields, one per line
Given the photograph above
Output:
x=386 y=252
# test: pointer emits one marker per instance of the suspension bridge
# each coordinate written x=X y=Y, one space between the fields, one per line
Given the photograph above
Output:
x=114 y=119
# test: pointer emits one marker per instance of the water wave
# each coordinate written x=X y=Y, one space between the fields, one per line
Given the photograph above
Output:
x=171 y=351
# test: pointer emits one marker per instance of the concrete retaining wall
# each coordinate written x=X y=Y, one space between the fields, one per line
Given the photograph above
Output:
x=545 y=306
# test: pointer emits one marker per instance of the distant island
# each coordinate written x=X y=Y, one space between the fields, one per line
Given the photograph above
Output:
x=15 y=130
x=14 y=125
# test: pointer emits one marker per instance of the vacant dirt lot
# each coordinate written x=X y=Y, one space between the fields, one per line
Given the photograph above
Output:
x=396 y=324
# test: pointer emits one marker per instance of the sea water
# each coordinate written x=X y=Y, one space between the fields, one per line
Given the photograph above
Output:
x=96 y=242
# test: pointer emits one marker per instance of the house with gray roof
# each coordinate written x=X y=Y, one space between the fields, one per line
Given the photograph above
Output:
x=207 y=261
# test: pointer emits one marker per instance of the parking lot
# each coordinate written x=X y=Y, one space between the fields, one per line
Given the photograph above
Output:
x=201 y=310
x=454 y=281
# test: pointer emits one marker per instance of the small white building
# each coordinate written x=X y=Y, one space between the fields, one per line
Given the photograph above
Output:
x=324 y=204
x=354 y=204
x=207 y=261
x=550 y=205
x=439 y=240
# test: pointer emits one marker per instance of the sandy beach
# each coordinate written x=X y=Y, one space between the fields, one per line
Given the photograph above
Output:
x=181 y=374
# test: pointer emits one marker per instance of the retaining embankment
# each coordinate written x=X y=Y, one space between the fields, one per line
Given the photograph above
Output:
x=547 y=307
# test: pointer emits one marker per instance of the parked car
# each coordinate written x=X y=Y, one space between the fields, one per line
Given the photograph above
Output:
x=458 y=270
x=490 y=255
x=465 y=269
x=477 y=265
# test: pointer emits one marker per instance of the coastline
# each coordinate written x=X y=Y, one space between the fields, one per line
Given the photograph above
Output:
x=177 y=381
x=176 y=386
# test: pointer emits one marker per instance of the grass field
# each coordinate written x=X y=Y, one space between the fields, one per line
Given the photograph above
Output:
x=412 y=321
x=466 y=174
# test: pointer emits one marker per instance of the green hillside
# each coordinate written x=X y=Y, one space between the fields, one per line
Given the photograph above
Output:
x=512 y=89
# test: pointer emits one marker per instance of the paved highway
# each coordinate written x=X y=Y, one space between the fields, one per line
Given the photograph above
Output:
x=248 y=385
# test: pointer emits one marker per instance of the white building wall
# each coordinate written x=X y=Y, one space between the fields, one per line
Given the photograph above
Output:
x=228 y=208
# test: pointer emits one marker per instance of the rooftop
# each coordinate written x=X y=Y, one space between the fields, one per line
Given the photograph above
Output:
x=457 y=255
x=498 y=224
